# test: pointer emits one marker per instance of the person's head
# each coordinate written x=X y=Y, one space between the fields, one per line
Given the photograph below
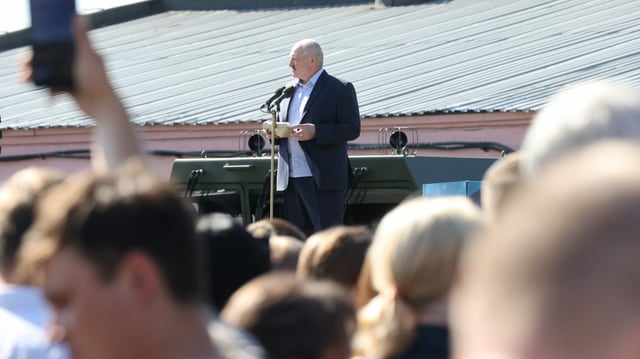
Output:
x=284 y=252
x=18 y=198
x=556 y=275
x=264 y=228
x=294 y=318
x=414 y=261
x=119 y=255
x=336 y=253
x=233 y=256
x=577 y=116
x=305 y=59
x=365 y=291
x=500 y=180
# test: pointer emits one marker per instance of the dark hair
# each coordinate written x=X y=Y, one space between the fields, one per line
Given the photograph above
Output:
x=106 y=216
x=265 y=228
x=293 y=318
x=336 y=253
x=233 y=256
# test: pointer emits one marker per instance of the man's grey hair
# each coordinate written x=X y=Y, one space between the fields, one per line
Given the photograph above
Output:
x=580 y=115
x=311 y=47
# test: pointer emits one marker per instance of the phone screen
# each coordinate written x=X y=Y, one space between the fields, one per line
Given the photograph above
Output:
x=52 y=41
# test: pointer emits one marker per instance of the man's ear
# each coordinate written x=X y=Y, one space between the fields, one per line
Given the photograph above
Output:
x=140 y=278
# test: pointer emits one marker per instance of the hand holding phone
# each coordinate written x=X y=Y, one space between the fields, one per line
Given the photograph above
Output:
x=52 y=43
x=115 y=140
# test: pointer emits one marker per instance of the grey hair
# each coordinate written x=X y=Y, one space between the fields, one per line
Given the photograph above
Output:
x=577 y=116
x=311 y=47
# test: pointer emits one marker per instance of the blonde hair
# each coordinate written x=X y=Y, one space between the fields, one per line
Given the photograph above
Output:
x=415 y=250
x=498 y=182
x=18 y=199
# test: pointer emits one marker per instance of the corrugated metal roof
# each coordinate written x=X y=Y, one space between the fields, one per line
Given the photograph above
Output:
x=200 y=67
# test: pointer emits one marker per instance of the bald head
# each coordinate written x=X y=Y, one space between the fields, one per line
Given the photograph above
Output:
x=580 y=115
x=557 y=275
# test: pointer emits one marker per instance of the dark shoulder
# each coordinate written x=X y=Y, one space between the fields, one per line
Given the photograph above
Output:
x=431 y=342
x=334 y=81
x=233 y=342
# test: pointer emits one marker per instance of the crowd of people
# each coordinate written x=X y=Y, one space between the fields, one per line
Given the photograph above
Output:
x=113 y=263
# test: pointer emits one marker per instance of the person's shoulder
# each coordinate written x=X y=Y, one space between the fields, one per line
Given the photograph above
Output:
x=12 y=326
x=325 y=75
x=27 y=303
x=233 y=342
x=20 y=338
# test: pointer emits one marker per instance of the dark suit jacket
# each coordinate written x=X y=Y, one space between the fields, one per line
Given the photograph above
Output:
x=333 y=109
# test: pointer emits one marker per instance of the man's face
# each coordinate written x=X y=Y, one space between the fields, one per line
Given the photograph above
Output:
x=302 y=67
x=90 y=312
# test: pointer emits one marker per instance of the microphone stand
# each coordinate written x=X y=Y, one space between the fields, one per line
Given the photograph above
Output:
x=271 y=174
x=274 y=107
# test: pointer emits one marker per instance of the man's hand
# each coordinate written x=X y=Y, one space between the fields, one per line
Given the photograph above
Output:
x=266 y=127
x=304 y=132
x=93 y=92
x=115 y=139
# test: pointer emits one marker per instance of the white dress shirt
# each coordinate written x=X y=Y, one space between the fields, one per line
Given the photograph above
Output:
x=298 y=166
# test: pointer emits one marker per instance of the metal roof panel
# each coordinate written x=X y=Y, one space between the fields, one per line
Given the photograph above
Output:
x=201 y=67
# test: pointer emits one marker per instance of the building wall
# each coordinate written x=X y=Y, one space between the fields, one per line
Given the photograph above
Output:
x=38 y=145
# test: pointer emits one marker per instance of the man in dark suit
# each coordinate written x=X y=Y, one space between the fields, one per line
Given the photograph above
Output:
x=313 y=167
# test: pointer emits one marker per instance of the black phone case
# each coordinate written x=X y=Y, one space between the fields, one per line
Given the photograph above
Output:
x=52 y=42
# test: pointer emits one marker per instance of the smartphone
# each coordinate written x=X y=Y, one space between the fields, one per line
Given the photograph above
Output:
x=52 y=42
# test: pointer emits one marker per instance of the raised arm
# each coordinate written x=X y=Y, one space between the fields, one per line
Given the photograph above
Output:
x=115 y=139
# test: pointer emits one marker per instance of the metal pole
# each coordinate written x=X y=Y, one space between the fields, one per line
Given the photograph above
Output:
x=271 y=173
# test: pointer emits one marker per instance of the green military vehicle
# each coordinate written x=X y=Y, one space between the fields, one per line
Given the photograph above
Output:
x=240 y=186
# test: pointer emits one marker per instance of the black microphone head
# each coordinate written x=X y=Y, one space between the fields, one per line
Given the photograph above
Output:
x=288 y=91
x=277 y=94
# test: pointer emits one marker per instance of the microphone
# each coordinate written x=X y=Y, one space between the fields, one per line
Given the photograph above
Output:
x=267 y=103
x=286 y=93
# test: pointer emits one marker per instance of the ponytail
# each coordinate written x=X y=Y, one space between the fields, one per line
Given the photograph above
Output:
x=386 y=327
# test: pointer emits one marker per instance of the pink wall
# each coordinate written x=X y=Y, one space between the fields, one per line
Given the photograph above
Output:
x=506 y=128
